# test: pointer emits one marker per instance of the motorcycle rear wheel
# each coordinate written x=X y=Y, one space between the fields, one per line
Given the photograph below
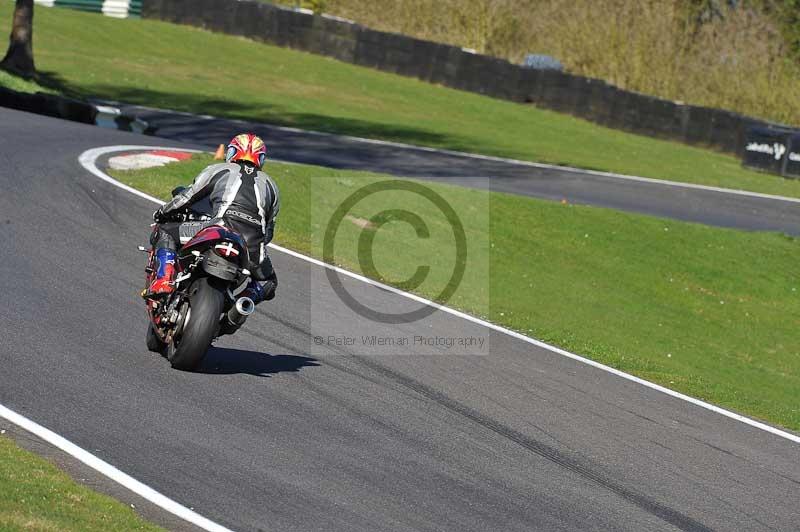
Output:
x=201 y=326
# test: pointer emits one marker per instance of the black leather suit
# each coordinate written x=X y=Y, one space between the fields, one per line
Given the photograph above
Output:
x=242 y=198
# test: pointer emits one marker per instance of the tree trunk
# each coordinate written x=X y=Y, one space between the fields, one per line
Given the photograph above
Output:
x=19 y=58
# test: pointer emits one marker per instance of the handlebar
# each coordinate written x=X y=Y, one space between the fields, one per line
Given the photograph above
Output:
x=187 y=215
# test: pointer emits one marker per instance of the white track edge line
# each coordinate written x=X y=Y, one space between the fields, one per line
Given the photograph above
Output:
x=88 y=160
x=517 y=162
x=103 y=467
x=543 y=345
x=86 y=457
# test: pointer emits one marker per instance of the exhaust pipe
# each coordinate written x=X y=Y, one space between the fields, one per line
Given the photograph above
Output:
x=238 y=314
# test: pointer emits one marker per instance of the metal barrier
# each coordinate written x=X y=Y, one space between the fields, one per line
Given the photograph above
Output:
x=792 y=165
x=765 y=149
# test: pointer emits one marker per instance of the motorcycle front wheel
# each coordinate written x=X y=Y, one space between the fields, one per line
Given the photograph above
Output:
x=154 y=343
x=199 y=328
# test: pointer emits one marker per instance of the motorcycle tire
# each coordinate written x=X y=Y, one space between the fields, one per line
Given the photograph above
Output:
x=154 y=343
x=205 y=307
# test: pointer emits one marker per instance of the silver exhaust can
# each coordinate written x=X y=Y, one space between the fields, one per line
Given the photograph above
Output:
x=243 y=307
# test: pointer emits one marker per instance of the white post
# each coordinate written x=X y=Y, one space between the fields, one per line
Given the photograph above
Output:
x=116 y=8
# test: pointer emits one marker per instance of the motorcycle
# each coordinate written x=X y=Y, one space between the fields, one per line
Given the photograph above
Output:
x=210 y=269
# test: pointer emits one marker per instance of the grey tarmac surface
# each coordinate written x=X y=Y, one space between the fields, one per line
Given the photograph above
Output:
x=679 y=203
x=277 y=433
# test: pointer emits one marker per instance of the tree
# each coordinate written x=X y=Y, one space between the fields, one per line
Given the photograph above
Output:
x=19 y=57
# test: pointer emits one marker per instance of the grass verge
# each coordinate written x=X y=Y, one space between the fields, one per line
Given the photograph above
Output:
x=164 y=65
x=36 y=495
x=15 y=83
x=680 y=304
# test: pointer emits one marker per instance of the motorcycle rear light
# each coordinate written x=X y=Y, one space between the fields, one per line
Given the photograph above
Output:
x=226 y=249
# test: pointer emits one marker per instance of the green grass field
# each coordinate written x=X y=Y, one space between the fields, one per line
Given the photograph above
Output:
x=20 y=85
x=684 y=305
x=35 y=495
x=164 y=65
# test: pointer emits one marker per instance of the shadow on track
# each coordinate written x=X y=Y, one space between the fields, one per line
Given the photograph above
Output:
x=225 y=361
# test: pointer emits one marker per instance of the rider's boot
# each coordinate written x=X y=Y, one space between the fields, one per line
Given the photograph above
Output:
x=258 y=292
x=162 y=284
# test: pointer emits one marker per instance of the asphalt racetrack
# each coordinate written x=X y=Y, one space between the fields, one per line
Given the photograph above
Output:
x=279 y=433
x=691 y=204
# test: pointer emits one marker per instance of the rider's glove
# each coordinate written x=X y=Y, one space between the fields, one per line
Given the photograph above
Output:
x=159 y=216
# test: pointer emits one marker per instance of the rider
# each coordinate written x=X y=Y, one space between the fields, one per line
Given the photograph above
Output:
x=243 y=198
